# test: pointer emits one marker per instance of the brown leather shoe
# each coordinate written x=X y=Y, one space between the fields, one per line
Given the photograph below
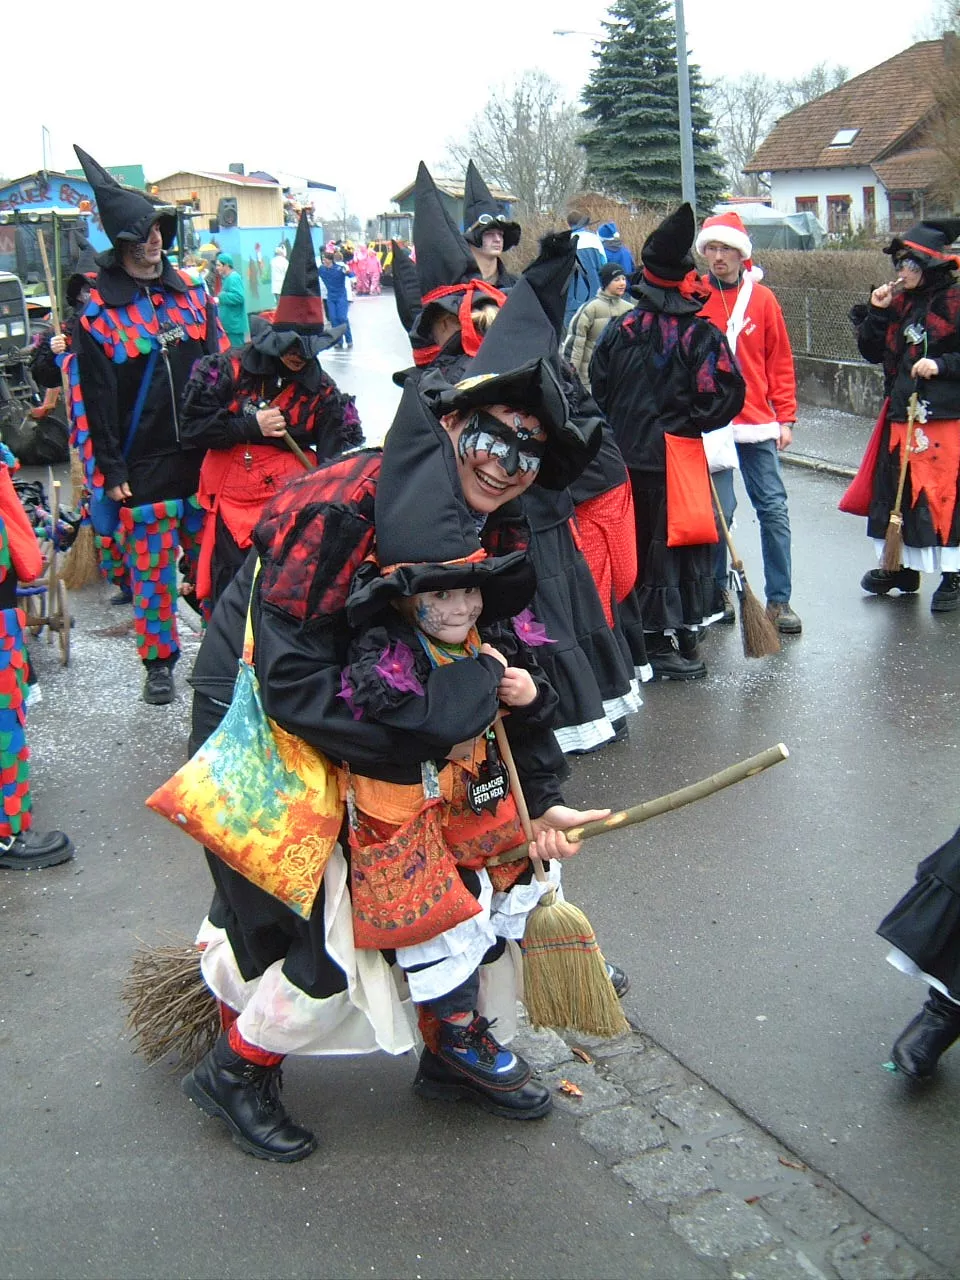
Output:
x=784 y=618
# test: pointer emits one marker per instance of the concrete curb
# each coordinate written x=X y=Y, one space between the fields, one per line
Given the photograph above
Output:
x=818 y=464
x=737 y=1197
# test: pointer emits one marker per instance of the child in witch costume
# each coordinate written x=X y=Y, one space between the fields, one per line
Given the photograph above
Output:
x=243 y=406
x=924 y=932
x=422 y=663
x=660 y=371
x=140 y=334
x=912 y=328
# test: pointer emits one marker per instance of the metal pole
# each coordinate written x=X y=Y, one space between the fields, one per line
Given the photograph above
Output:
x=688 y=184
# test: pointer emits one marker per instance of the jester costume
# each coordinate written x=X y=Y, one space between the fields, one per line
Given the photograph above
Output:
x=136 y=343
x=20 y=560
x=277 y=369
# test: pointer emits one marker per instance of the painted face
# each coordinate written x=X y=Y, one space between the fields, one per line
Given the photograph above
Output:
x=909 y=271
x=293 y=360
x=446 y=616
x=498 y=453
x=147 y=252
x=723 y=261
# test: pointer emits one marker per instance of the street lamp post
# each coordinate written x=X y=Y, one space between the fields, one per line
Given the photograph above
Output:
x=688 y=186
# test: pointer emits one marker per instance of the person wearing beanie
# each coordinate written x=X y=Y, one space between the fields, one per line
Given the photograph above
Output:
x=232 y=300
x=594 y=316
x=245 y=406
x=616 y=251
x=661 y=370
x=487 y=231
x=142 y=330
x=591 y=256
x=912 y=329
x=750 y=316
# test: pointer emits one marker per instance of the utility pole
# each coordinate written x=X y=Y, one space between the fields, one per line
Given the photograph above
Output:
x=688 y=185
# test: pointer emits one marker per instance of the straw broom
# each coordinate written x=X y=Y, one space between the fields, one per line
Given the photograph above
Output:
x=757 y=633
x=80 y=564
x=892 y=557
x=565 y=979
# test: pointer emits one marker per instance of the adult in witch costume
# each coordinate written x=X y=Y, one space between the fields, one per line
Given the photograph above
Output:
x=924 y=932
x=243 y=407
x=142 y=330
x=287 y=985
x=912 y=328
x=487 y=230
x=441 y=299
x=661 y=370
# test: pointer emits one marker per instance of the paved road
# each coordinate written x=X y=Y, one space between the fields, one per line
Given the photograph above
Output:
x=746 y=921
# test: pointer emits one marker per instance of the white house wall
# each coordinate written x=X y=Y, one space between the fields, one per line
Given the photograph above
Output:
x=787 y=185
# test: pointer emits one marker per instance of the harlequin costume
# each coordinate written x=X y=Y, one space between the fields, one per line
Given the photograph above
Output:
x=242 y=467
x=303 y=986
x=920 y=323
x=660 y=370
x=136 y=344
x=20 y=561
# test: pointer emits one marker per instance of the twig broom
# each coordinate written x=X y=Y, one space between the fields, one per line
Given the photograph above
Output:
x=892 y=557
x=80 y=564
x=170 y=1009
x=757 y=633
x=565 y=979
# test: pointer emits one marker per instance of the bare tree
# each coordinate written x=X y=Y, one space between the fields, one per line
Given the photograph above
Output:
x=525 y=140
x=944 y=131
x=944 y=16
x=744 y=111
x=817 y=81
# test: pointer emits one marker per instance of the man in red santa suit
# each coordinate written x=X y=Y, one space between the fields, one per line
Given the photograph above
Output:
x=750 y=316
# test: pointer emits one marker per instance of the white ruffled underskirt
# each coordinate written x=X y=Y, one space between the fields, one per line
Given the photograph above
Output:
x=376 y=1011
x=903 y=962
x=925 y=559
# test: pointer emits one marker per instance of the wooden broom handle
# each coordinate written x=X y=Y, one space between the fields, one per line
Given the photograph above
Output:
x=516 y=790
x=666 y=804
x=912 y=407
x=297 y=452
x=54 y=310
x=737 y=562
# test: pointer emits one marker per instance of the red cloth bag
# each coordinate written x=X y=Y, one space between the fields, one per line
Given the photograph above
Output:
x=856 y=499
x=690 y=518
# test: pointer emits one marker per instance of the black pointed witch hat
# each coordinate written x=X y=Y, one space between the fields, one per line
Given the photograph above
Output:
x=84 y=270
x=550 y=273
x=517 y=366
x=406 y=284
x=126 y=214
x=426 y=536
x=929 y=242
x=482 y=213
x=666 y=250
x=299 y=312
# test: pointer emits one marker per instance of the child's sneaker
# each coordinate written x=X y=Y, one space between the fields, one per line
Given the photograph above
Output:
x=474 y=1067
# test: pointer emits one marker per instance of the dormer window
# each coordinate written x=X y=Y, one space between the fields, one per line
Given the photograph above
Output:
x=844 y=137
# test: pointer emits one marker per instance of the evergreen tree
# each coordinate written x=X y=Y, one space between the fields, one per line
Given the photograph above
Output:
x=633 y=144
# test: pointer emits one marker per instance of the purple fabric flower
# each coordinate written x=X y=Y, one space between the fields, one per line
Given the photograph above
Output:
x=396 y=668
x=529 y=630
x=346 y=693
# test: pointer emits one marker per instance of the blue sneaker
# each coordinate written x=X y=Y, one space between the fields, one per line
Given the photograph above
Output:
x=471 y=1066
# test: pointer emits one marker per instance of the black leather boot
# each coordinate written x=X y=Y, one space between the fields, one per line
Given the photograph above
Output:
x=668 y=662
x=471 y=1066
x=930 y=1034
x=247 y=1099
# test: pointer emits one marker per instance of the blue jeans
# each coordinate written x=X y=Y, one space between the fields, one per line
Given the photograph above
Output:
x=760 y=468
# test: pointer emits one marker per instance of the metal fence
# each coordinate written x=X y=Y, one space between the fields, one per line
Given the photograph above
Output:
x=818 y=321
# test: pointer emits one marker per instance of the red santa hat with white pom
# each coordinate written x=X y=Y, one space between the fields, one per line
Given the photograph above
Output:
x=727 y=228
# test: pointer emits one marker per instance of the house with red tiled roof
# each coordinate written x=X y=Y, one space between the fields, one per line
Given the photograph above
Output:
x=858 y=156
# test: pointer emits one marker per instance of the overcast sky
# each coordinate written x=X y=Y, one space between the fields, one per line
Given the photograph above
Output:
x=306 y=88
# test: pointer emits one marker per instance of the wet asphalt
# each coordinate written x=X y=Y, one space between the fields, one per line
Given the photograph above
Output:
x=746 y=921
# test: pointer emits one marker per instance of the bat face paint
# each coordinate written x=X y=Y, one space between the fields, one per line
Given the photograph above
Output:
x=515 y=449
x=447 y=616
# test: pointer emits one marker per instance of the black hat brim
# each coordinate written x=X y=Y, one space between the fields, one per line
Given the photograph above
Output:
x=277 y=342
x=508 y=584
x=511 y=233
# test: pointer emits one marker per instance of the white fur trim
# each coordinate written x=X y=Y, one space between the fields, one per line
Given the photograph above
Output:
x=754 y=432
x=714 y=231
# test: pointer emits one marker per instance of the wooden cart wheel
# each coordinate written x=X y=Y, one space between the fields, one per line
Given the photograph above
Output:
x=64 y=622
